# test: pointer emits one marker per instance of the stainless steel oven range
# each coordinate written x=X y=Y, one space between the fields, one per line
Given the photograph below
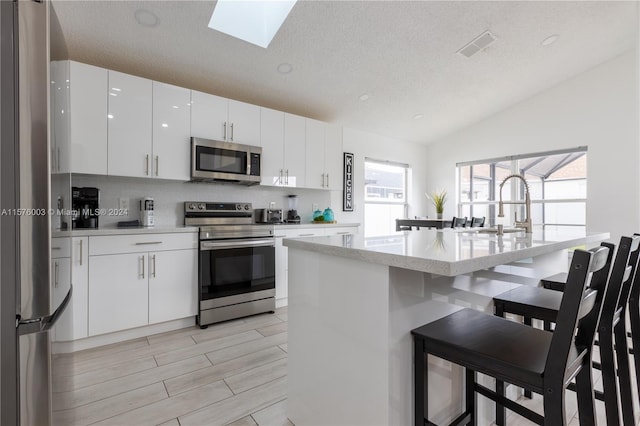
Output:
x=236 y=265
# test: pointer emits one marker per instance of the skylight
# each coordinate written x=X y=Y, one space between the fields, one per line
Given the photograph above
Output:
x=254 y=21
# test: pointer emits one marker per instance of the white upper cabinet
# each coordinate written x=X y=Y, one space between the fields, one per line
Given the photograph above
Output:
x=209 y=116
x=315 y=141
x=272 y=141
x=333 y=157
x=129 y=125
x=294 y=150
x=244 y=123
x=79 y=118
x=171 y=132
x=213 y=117
x=324 y=149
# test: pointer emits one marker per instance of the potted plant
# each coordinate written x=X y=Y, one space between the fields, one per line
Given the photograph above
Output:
x=438 y=198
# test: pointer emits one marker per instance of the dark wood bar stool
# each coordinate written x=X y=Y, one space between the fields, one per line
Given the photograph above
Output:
x=476 y=222
x=544 y=304
x=534 y=359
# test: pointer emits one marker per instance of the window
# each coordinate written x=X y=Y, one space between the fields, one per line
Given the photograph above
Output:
x=385 y=196
x=557 y=186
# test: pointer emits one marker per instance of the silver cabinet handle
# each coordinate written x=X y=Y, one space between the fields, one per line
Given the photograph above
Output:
x=231 y=132
x=56 y=267
x=148 y=243
x=306 y=235
x=58 y=160
x=225 y=131
x=323 y=180
x=281 y=179
x=142 y=259
x=56 y=248
x=80 y=252
x=286 y=179
x=153 y=261
x=343 y=233
x=232 y=244
x=146 y=170
x=327 y=180
x=157 y=164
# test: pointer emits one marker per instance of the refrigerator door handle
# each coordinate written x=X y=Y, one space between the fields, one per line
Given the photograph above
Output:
x=37 y=325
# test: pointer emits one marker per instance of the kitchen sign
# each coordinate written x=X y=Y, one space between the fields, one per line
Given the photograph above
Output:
x=347 y=180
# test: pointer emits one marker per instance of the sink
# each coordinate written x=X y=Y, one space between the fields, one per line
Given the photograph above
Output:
x=495 y=230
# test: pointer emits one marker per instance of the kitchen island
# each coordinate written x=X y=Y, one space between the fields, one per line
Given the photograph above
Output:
x=353 y=302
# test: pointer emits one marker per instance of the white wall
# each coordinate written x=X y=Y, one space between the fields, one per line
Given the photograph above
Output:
x=597 y=109
x=364 y=144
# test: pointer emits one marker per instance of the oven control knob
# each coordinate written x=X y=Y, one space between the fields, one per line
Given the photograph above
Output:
x=192 y=206
x=201 y=206
x=238 y=206
x=246 y=206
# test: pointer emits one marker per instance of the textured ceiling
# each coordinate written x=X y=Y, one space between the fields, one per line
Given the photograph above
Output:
x=403 y=54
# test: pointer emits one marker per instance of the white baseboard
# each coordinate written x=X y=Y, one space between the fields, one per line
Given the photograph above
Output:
x=120 y=336
x=282 y=302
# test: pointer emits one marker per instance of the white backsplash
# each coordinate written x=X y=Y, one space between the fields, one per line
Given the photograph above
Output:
x=169 y=197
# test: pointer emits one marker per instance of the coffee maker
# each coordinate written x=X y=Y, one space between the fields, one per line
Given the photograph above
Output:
x=292 y=213
x=85 y=204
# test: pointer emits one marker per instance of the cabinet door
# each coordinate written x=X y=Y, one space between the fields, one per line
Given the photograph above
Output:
x=118 y=292
x=281 y=270
x=272 y=141
x=60 y=285
x=73 y=322
x=333 y=157
x=59 y=110
x=173 y=285
x=209 y=115
x=294 y=150
x=129 y=129
x=88 y=119
x=315 y=135
x=171 y=131
x=244 y=123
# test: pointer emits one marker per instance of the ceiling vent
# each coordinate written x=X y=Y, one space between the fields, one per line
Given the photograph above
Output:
x=477 y=44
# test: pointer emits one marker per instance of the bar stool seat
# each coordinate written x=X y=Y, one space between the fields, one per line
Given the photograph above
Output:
x=535 y=359
x=530 y=302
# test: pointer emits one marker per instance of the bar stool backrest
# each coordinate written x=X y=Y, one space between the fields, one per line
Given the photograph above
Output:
x=477 y=222
x=458 y=222
x=580 y=300
x=630 y=283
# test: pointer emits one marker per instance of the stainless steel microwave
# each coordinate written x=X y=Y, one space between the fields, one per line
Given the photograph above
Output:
x=224 y=161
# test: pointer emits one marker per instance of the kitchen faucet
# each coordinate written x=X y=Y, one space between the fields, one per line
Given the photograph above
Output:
x=525 y=224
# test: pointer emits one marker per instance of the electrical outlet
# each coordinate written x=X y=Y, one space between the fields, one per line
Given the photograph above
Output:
x=314 y=207
x=123 y=203
x=272 y=205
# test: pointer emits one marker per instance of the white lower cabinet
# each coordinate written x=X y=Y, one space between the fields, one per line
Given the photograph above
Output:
x=172 y=290
x=118 y=292
x=60 y=279
x=128 y=290
x=72 y=324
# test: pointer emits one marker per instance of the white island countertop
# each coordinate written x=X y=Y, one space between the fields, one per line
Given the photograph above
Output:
x=447 y=252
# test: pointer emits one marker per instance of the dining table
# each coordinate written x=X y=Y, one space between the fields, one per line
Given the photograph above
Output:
x=408 y=224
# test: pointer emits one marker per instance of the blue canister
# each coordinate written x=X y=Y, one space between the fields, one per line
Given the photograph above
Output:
x=328 y=215
x=317 y=216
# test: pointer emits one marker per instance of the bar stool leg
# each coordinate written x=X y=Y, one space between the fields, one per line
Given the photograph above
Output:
x=586 y=403
x=624 y=373
x=500 y=410
x=634 y=317
x=420 y=383
x=527 y=321
x=608 y=369
x=553 y=400
x=471 y=397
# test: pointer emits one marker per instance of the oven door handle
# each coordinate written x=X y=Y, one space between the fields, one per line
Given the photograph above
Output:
x=221 y=245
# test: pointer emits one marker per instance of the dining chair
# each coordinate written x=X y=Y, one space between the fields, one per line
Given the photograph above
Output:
x=458 y=222
x=476 y=222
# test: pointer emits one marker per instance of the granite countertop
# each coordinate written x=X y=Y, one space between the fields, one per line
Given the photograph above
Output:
x=112 y=230
x=446 y=252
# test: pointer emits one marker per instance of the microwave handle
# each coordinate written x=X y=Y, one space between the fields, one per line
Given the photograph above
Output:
x=221 y=245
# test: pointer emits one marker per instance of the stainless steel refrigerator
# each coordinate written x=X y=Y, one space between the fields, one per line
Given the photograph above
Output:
x=26 y=313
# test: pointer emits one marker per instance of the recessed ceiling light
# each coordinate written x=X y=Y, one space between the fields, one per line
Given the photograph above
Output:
x=550 y=40
x=418 y=116
x=256 y=22
x=285 y=68
x=146 y=18
x=364 y=97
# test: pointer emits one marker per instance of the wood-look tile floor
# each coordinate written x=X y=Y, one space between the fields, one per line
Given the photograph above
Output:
x=230 y=373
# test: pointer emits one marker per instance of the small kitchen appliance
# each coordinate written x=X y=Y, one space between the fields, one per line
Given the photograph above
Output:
x=146 y=212
x=236 y=261
x=292 y=213
x=268 y=215
x=85 y=205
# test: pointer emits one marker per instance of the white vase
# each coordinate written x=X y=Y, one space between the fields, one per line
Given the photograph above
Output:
x=438 y=216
